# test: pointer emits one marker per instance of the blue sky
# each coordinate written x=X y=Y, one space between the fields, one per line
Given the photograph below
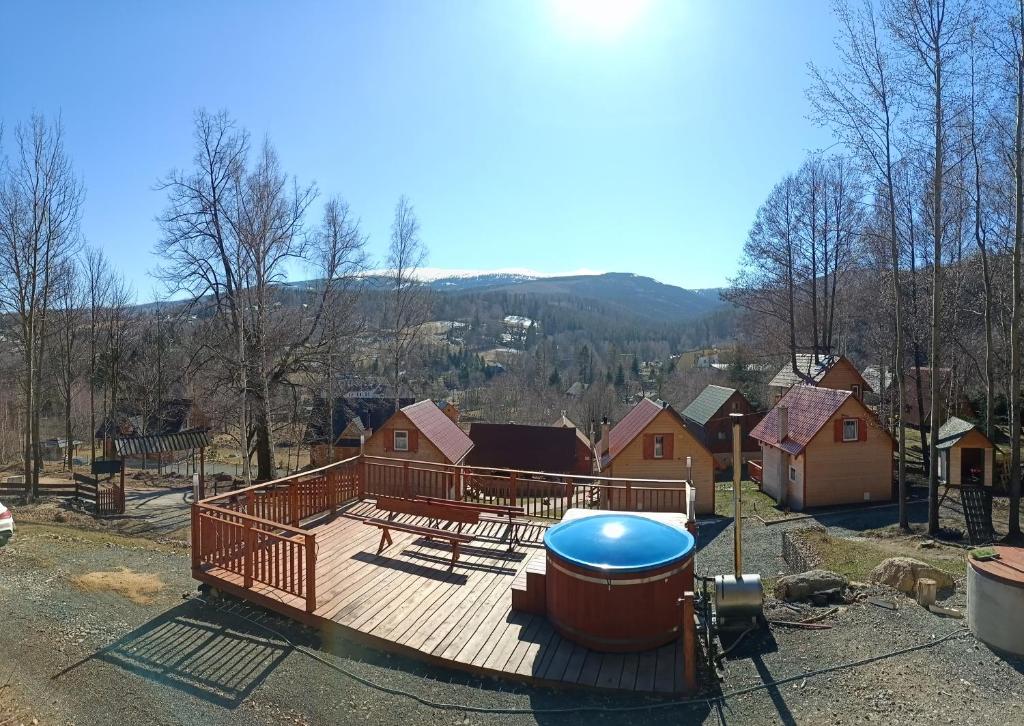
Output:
x=554 y=135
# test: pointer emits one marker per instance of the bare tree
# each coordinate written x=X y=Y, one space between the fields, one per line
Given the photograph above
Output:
x=862 y=103
x=232 y=231
x=932 y=32
x=40 y=203
x=407 y=300
x=68 y=314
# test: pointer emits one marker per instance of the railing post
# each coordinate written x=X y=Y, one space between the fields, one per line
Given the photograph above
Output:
x=405 y=479
x=361 y=472
x=249 y=546
x=689 y=645
x=629 y=497
x=196 y=538
x=310 y=572
x=293 y=503
x=250 y=502
x=513 y=485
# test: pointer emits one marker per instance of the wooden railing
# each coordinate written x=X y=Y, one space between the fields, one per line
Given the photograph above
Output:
x=755 y=470
x=541 y=494
x=255 y=533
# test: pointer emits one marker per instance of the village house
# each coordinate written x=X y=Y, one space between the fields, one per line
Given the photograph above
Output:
x=337 y=429
x=822 y=447
x=420 y=432
x=553 y=449
x=708 y=417
x=824 y=371
x=966 y=455
x=652 y=441
x=567 y=423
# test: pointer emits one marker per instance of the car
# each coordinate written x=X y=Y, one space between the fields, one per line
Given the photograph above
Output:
x=6 y=525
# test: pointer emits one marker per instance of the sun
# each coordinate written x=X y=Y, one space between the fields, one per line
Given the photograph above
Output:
x=605 y=18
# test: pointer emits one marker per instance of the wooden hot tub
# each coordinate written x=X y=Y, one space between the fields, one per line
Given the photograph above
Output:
x=614 y=582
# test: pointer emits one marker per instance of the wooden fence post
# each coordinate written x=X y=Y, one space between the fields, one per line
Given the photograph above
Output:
x=361 y=473
x=629 y=497
x=196 y=538
x=689 y=645
x=405 y=479
x=293 y=503
x=310 y=572
x=249 y=545
x=250 y=502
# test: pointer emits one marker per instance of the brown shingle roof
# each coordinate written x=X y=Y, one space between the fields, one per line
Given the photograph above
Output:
x=520 y=446
x=810 y=408
x=442 y=432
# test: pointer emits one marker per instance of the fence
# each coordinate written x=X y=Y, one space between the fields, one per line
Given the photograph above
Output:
x=255 y=534
x=541 y=494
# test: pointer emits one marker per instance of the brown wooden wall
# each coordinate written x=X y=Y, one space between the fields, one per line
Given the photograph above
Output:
x=843 y=472
x=380 y=443
x=630 y=462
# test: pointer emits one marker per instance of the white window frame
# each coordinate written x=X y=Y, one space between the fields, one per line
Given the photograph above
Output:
x=404 y=436
x=659 y=446
x=856 y=430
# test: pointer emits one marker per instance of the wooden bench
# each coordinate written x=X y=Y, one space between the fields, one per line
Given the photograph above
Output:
x=435 y=512
x=514 y=516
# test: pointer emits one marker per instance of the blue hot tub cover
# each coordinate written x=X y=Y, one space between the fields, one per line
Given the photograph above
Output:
x=618 y=543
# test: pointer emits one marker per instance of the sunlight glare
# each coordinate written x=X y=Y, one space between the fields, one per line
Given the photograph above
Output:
x=605 y=18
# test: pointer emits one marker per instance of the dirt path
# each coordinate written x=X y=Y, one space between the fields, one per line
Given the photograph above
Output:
x=96 y=630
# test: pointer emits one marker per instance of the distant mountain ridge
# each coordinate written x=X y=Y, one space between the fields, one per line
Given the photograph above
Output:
x=629 y=294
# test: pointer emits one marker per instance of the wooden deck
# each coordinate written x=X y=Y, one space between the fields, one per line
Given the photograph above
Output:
x=408 y=601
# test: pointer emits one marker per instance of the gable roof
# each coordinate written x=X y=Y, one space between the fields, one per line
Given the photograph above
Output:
x=520 y=446
x=567 y=423
x=634 y=422
x=810 y=408
x=812 y=372
x=442 y=432
x=955 y=429
x=707 y=403
x=361 y=413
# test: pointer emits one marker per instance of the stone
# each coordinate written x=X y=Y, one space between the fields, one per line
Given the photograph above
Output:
x=805 y=585
x=902 y=573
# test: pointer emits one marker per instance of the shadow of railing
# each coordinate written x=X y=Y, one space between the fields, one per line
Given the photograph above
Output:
x=200 y=652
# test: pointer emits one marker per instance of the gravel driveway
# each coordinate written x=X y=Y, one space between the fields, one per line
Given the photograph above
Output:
x=77 y=656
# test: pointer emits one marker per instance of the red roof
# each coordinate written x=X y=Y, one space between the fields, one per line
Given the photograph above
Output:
x=638 y=418
x=442 y=432
x=810 y=408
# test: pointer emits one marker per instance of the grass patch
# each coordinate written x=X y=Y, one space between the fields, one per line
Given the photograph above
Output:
x=855 y=558
x=138 y=587
x=755 y=503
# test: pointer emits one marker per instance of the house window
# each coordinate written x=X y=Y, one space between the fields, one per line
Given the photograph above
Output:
x=401 y=440
x=850 y=430
x=721 y=436
x=856 y=390
x=659 y=447
x=792 y=473
x=735 y=406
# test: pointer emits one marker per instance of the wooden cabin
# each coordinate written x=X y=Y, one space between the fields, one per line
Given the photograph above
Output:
x=338 y=428
x=708 y=417
x=823 y=447
x=420 y=432
x=966 y=455
x=823 y=371
x=652 y=441
x=553 y=449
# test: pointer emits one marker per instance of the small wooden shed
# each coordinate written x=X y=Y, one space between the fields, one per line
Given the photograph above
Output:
x=966 y=455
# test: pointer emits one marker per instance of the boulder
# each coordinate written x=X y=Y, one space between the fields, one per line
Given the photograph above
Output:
x=902 y=573
x=806 y=585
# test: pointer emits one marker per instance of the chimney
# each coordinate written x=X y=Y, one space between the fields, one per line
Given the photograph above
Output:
x=603 y=447
x=783 y=423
